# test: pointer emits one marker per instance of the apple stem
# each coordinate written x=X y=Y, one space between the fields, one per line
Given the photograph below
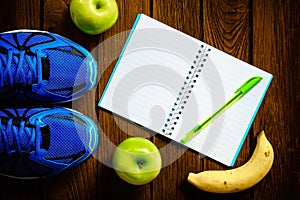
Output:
x=140 y=164
x=98 y=6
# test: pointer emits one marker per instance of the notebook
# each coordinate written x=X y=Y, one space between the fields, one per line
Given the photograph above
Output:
x=168 y=82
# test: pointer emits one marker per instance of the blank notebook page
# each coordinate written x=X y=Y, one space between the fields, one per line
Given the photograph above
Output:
x=169 y=82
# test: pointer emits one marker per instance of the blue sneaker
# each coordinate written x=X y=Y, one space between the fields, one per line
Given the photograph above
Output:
x=43 y=142
x=38 y=66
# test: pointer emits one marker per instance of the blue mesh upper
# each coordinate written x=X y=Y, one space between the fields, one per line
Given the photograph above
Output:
x=54 y=69
x=70 y=133
x=65 y=141
x=61 y=73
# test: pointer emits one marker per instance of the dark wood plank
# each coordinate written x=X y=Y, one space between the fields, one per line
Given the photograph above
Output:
x=275 y=49
x=171 y=183
x=12 y=188
x=80 y=182
x=20 y=14
x=226 y=26
x=113 y=128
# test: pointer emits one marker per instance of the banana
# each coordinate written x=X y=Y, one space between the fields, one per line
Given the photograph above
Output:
x=241 y=178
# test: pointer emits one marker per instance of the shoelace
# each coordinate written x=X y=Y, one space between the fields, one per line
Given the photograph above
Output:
x=17 y=132
x=34 y=74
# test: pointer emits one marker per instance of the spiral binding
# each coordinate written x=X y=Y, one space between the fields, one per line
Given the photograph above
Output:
x=186 y=90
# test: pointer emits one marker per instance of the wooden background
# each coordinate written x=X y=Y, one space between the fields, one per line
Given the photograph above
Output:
x=264 y=33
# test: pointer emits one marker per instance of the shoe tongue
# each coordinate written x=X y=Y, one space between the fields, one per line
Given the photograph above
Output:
x=45 y=68
x=45 y=137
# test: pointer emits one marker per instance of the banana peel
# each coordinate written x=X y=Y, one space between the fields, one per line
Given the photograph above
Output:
x=240 y=178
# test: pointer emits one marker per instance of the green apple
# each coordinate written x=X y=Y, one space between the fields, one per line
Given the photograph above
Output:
x=137 y=160
x=94 y=16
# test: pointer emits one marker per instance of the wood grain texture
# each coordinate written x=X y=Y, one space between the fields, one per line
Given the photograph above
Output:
x=185 y=16
x=113 y=128
x=276 y=49
x=262 y=33
x=20 y=14
x=226 y=26
x=81 y=182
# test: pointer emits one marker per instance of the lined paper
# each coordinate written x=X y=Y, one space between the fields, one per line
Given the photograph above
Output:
x=156 y=67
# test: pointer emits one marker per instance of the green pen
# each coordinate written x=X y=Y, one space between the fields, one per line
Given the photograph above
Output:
x=240 y=92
